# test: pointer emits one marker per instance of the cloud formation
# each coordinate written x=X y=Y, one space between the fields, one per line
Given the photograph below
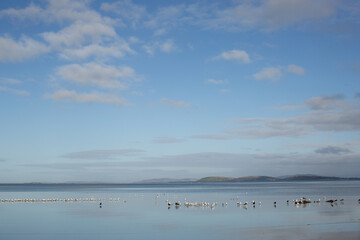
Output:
x=64 y=95
x=271 y=73
x=325 y=114
x=295 y=69
x=269 y=15
x=332 y=150
x=86 y=33
x=272 y=14
x=78 y=33
x=326 y=102
x=4 y=87
x=276 y=73
x=25 y=48
x=103 y=154
x=215 y=82
x=55 y=11
x=264 y=15
x=174 y=103
x=127 y=10
x=164 y=46
x=117 y=50
x=14 y=91
x=237 y=55
x=98 y=75
x=10 y=81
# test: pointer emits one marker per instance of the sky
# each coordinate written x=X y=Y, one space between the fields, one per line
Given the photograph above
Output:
x=121 y=91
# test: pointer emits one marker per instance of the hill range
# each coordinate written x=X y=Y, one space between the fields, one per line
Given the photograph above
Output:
x=291 y=178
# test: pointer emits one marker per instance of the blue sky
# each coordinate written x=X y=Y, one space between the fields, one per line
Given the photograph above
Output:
x=120 y=91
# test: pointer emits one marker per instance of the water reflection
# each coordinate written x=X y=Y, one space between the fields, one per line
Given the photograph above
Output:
x=235 y=212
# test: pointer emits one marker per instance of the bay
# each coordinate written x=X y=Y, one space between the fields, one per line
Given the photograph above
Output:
x=141 y=211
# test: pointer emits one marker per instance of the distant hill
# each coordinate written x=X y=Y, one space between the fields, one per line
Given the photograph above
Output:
x=291 y=178
x=297 y=175
x=216 y=179
x=166 y=180
x=311 y=178
x=255 y=179
x=240 y=179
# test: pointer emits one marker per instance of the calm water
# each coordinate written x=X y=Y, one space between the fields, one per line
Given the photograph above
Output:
x=141 y=211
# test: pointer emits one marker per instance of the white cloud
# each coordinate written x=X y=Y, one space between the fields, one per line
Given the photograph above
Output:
x=70 y=10
x=88 y=33
x=174 y=103
x=54 y=11
x=240 y=15
x=149 y=49
x=276 y=73
x=268 y=129
x=14 y=91
x=270 y=15
x=127 y=10
x=326 y=102
x=28 y=12
x=331 y=120
x=216 y=82
x=296 y=69
x=25 y=48
x=167 y=46
x=10 y=81
x=160 y=32
x=239 y=55
x=133 y=40
x=166 y=18
x=327 y=120
x=117 y=50
x=161 y=20
x=329 y=114
x=94 y=97
x=79 y=33
x=102 y=76
x=164 y=46
x=271 y=73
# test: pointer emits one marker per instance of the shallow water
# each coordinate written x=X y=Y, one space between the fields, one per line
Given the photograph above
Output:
x=145 y=213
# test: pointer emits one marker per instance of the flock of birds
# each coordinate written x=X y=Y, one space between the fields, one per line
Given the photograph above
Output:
x=297 y=202
x=45 y=200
